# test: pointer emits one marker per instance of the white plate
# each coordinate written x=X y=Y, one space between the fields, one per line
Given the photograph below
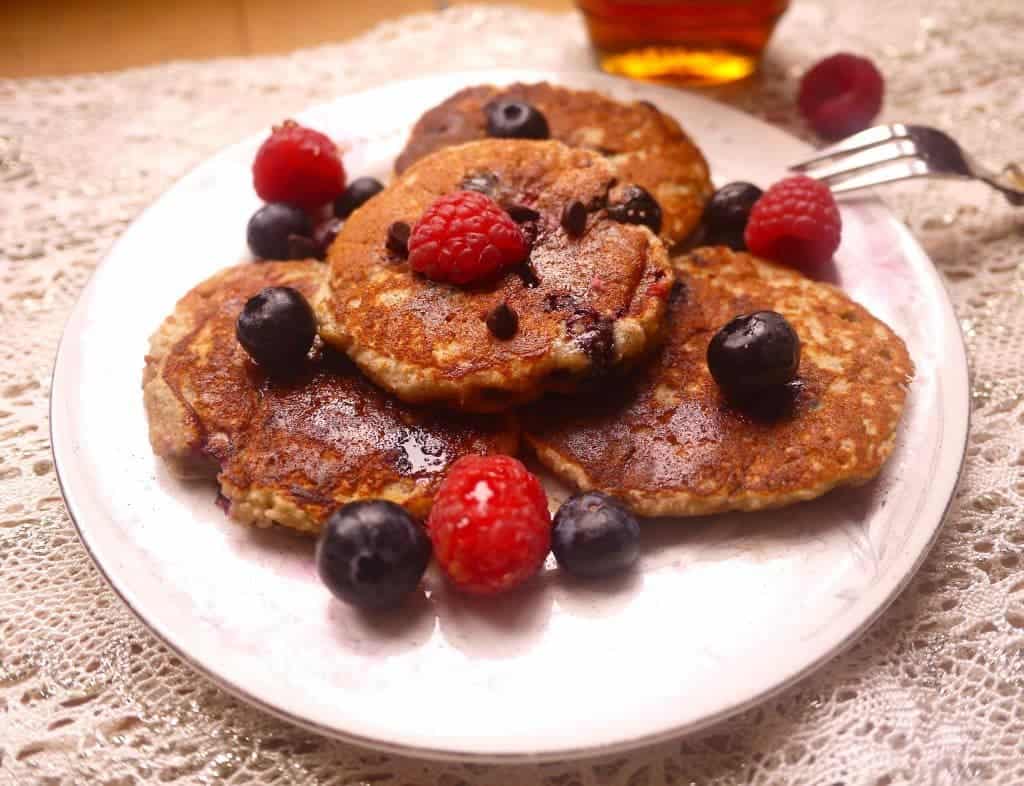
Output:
x=722 y=612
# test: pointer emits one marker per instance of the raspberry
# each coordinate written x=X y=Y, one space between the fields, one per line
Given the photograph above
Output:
x=840 y=95
x=299 y=166
x=490 y=524
x=465 y=237
x=796 y=222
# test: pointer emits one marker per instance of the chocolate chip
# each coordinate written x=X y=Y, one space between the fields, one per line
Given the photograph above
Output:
x=637 y=207
x=324 y=235
x=530 y=231
x=398 y=238
x=559 y=301
x=302 y=247
x=679 y=293
x=503 y=321
x=482 y=182
x=521 y=213
x=528 y=273
x=574 y=218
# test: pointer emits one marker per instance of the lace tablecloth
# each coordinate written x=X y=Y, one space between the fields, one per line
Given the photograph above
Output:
x=934 y=694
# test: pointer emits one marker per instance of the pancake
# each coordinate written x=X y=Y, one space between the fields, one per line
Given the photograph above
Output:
x=644 y=145
x=669 y=443
x=289 y=452
x=585 y=305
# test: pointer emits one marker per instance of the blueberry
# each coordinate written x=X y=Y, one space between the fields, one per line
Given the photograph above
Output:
x=637 y=207
x=371 y=554
x=359 y=191
x=515 y=120
x=594 y=536
x=276 y=327
x=754 y=352
x=273 y=226
x=726 y=214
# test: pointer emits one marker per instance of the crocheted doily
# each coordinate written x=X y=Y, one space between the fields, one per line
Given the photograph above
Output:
x=934 y=694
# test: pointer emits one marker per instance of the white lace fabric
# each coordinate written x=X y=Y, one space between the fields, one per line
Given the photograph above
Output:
x=933 y=694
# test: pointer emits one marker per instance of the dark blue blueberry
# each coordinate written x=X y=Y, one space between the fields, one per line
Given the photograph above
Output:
x=274 y=229
x=726 y=214
x=637 y=206
x=754 y=352
x=277 y=328
x=371 y=554
x=515 y=120
x=594 y=536
x=358 y=192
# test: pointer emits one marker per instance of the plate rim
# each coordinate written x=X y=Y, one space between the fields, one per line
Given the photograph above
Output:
x=63 y=458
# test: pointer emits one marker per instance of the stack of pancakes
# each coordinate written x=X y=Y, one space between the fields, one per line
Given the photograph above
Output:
x=605 y=378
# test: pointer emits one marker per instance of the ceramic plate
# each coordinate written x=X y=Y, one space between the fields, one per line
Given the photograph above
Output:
x=722 y=612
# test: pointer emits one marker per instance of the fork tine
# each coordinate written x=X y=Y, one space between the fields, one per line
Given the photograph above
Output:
x=897 y=170
x=859 y=141
x=863 y=159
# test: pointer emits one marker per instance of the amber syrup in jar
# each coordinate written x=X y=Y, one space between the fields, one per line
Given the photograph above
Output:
x=695 y=42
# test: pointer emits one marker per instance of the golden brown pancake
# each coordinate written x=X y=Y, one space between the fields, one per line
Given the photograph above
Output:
x=645 y=146
x=585 y=305
x=290 y=451
x=670 y=443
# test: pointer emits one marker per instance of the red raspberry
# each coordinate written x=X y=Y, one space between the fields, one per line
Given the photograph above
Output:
x=490 y=524
x=796 y=222
x=299 y=166
x=465 y=237
x=840 y=95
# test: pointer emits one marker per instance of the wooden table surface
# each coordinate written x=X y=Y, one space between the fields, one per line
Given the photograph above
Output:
x=54 y=37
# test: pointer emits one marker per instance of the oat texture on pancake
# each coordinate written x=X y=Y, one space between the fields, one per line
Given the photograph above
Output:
x=669 y=442
x=288 y=451
x=587 y=302
x=645 y=146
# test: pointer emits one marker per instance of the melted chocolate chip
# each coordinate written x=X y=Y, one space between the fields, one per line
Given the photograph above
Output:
x=530 y=231
x=680 y=293
x=559 y=301
x=528 y=273
x=637 y=207
x=521 y=213
x=574 y=218
x=398 y=238
x=482 y=182
x=503 y=321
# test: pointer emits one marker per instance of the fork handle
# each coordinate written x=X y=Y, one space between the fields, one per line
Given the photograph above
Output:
x=1009 y=182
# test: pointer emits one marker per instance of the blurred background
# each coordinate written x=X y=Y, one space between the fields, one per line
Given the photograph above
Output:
x=52 y=37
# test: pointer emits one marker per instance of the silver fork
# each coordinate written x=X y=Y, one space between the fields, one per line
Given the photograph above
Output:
x=896 y=152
